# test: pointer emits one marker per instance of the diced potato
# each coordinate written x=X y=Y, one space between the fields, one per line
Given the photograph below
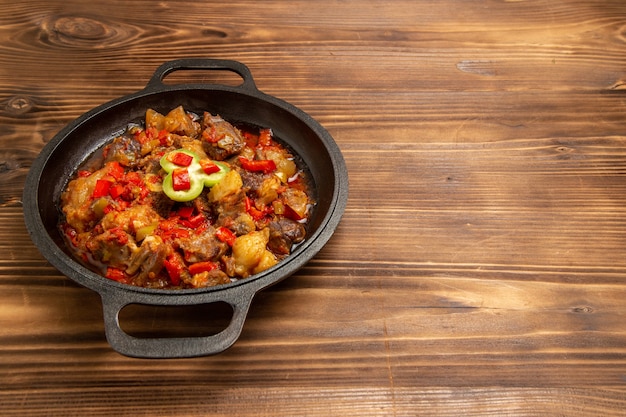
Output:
x=230 y=184
x=268 y=191
x=297 y=200
x=248 y=251
x=192 y=145
x=267 y=261
x=155 y=119
x=279 y=207
x=177 y=121
x=250 y=254
x=285 y=169
x=149 y=146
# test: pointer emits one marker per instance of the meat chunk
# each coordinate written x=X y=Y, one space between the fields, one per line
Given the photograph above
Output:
x=252 y=180
x=203 y=247
x=242 y=224
x=176 y=121
x=113 y=247
x=283 y=234
x=221 y=139
x=161 y=203
x=148 y=259
x=209 y=279
x=77 y=201
x=126 y=152
x=131 y=219
x=230 y=207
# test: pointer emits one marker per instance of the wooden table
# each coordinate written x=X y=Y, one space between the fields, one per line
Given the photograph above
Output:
x=480 y=266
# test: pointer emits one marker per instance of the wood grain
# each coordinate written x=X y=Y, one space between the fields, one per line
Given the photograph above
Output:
x=479 y=269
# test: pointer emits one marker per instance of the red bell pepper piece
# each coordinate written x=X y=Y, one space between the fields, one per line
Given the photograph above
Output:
x=118 y=236
x=255 y=212
x=116 y=191
x=109 y=208
x=141 y=136
x=71 y=233
x=145 y=192
x=116 y=274
x=265 y=137
x=258 y=165
x=162 y=136
x=169 y=229
x=199 y=267
x=134 y=178
x=225 y=235
x=185 y=212
x=181 y=159
x=251 y=139
x=194 y=221
x=180 y=179
x=102 y=188
x=209 y=167
x=172 y=271
x=291 y=214
x=210 y=135
x=151 y=133
x=175 y=233
x=174 y=265
x=197 y=220
x=115 y=169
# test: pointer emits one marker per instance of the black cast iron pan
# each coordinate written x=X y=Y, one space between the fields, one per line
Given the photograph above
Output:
x=244 y=103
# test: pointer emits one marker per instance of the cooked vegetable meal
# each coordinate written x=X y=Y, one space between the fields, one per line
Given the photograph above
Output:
x=187 y=201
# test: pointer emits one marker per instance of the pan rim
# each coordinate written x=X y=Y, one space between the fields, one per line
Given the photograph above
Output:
x=85 y=277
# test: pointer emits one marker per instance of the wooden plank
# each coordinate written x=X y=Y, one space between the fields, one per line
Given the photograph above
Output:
x=480 y=265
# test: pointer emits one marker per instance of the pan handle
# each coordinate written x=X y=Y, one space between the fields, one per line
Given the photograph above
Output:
x=202 y=64
x=174 y=347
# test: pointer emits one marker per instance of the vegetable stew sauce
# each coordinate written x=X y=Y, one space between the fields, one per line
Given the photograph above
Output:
x=187 y=201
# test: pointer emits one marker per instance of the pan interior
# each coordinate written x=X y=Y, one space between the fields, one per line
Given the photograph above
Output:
x=77 y=142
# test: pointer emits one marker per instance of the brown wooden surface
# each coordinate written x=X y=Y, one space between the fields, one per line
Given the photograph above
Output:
x=480 y=267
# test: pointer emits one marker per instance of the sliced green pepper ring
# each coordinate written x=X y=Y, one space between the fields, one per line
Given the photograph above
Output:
x=198 y=179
